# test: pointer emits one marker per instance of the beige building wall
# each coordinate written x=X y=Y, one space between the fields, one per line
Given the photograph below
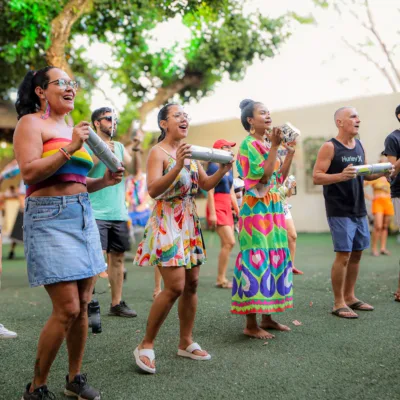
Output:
x=377 y=121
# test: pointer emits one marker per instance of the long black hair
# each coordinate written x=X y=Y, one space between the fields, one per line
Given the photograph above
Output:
x=247 y=107
x=162 y=115
x=28 y=101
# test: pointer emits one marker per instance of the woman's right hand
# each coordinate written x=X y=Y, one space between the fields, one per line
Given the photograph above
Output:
x=182 y=152
x=276 y=137
x=79 y=135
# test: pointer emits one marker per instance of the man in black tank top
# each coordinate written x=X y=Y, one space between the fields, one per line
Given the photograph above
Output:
x=392 y=151
x=345 y=208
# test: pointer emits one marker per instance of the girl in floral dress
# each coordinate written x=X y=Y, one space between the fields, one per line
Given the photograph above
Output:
x=173 y=240
x=262 y=282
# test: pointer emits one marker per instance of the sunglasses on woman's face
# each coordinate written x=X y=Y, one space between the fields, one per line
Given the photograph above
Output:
x=109 y=118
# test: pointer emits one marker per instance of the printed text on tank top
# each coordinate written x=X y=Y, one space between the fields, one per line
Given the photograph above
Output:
x=345 y=199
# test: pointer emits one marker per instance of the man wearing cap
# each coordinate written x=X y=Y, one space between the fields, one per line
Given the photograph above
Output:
x=392 y=151
x=220 y=202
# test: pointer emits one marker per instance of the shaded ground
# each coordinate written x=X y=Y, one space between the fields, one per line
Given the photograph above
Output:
x=324 y=358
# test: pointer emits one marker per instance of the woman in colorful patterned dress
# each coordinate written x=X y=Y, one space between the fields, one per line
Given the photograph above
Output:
x=173 y=240
x=262 y=282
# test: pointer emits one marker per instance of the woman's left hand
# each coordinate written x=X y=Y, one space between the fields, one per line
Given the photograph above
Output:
x=290 y=147
x=113 y=178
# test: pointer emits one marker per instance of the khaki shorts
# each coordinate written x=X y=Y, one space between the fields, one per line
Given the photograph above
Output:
x=396 y=205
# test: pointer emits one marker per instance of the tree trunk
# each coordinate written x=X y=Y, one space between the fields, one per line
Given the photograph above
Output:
x=60 y=32
x=165 y=93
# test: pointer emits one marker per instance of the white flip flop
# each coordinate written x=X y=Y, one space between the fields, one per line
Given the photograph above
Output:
x=149 y=353
x=189 y=353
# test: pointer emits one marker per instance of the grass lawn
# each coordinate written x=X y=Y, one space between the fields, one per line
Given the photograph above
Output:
x=324 y=358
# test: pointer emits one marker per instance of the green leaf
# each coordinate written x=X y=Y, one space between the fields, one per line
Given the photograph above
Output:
x=303 y=19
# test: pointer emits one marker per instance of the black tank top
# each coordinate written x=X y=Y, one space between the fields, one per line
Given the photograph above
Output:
x=345 y=199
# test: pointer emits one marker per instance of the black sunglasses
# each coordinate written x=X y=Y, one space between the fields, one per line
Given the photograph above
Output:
x=109 y=118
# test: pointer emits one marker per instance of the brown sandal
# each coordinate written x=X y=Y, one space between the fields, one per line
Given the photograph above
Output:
x=344 y=313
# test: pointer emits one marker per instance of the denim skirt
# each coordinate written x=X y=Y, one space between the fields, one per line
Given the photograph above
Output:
x=61 y=239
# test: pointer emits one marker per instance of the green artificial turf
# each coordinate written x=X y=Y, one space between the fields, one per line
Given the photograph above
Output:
x=324 y=358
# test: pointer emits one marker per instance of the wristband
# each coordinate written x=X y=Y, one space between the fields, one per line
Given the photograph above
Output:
x=65 y=153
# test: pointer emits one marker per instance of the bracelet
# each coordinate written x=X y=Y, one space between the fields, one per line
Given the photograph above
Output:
x=65 y=153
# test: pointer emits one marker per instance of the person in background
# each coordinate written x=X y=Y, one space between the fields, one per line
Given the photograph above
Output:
x=220 y=202
x=382 y=210
x=11 y=208
x=138 y=197
x=111 y=213
x=9 y=171
x=4 y=332
x=16 y=235
x=286 y=191
x=392 y=151
x=238 y=187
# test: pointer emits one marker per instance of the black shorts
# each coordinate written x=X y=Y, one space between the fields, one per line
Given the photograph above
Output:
x=114 y=236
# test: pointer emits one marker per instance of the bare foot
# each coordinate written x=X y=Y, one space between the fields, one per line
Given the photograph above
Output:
x=226 y=285
x=385 y=252
x=297 y=271
x=374 y=253
x=274 y=326
x=145 y=359
x=258 y=333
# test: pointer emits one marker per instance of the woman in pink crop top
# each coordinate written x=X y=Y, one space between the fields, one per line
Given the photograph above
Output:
x=61 y=239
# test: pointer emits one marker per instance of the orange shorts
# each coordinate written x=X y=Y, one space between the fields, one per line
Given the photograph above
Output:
x=382 y=205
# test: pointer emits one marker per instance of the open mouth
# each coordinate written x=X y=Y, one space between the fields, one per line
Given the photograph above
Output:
x=183 y=126
x=68 y=97
x=268 y=121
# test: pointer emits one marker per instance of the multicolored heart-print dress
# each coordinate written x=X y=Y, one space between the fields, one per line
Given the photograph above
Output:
x=262 y=281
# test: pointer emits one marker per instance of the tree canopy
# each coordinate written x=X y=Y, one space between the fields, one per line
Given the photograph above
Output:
x=224 y=40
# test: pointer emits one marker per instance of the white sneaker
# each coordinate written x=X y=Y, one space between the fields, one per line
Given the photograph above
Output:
x=6 y=334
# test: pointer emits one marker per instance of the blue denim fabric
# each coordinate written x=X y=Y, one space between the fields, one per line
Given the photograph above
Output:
x=349 y=233
x=61 y=239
